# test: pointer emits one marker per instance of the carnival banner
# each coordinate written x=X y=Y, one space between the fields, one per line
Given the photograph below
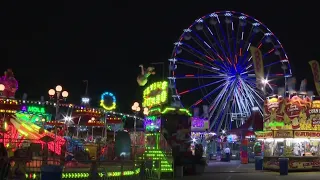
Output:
x=258 y=63
x=293 y=113
x=316 y=74
x=273 y=111
x=313 y=113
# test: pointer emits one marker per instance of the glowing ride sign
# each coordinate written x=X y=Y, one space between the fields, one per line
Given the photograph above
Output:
x=155 y=94
x=102 y=103
x=33 y=109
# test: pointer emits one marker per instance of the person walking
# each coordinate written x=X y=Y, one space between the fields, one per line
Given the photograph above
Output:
x=227 y=153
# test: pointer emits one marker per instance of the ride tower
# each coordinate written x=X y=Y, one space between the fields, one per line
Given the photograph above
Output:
x=157 y=151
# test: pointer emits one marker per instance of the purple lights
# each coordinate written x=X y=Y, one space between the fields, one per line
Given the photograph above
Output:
x=152 y=123
x=199 y=124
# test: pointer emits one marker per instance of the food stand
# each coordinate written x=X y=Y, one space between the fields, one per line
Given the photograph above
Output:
x=291 y=130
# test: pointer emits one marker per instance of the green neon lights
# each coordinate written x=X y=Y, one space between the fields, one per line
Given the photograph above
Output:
x=155 y=94
x=85 y=175
x=34 y=109
x=156 y=154
x=169 y=110
x=33 y=118
x=276 y=124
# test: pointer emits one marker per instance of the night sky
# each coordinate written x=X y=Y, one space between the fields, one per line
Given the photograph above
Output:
x=67 y=42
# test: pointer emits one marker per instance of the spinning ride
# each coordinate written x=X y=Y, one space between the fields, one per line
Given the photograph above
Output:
x=211 y=64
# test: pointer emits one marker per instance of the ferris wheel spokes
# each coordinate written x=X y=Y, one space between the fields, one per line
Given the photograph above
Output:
x=205 y=57
x=210 y=93
x=197 y=88
x=214 y=52
x=223 y=101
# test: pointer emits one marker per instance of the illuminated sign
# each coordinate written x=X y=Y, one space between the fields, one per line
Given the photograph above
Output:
x=199 y=124
x=152 y=123
x=110 y=107
x=33 y=109
x=155 y=94
x=264 y=134
x=306 y=134
x=283 y=134
x=314 y=113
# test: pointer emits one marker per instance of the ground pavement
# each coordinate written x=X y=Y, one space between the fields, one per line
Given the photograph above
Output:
x=235 y=171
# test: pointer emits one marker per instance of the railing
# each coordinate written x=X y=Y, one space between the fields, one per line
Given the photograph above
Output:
x=105 y=170
x=78 y=165
x=164 y=146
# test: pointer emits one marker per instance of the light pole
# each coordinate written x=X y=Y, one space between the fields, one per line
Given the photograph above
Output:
x=136 y=109
x=58 y=92
x=264 y=82
x=2 y=87
x=284 y=68
x=67 y=120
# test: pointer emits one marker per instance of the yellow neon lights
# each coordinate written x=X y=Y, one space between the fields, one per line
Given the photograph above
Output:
x=104 y=106
x=155 y=94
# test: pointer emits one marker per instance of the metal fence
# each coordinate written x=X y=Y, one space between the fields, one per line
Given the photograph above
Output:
x=100 y=170
x=82 y=162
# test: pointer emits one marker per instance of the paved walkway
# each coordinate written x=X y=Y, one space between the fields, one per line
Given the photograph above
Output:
x=235 y=171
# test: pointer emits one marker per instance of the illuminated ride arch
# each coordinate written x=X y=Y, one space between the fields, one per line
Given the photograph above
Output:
x=212 y=64
x=102 y=101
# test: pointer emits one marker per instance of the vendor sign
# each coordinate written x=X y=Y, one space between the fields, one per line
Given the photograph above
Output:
x=313 y=113
x=264 y=134
x=295 y=113
x=304 y=163
x=270 y=163
x=283 y=134
x=307 y=134
x=295 y=163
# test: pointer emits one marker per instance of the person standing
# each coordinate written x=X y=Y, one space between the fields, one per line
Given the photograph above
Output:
x=227 y=152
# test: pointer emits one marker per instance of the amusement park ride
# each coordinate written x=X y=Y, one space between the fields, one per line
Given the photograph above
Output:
x=225 y=77
x=220 y=61
x=27 y=123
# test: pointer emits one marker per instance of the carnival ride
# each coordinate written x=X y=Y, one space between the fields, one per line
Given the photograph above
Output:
x=213 y=61
x=165 y=128
x=24 y=124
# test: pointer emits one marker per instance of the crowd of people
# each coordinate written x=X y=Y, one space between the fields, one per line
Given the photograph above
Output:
x=10 y=167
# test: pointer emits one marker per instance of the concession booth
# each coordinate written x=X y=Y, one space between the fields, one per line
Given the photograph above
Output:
x=291 y=130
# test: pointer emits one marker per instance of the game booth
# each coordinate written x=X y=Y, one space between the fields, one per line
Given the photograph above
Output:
x=242 y=140
x=200 y=133
x=291 y=130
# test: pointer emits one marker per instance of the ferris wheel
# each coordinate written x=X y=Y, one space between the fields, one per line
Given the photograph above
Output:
x=211 y=64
